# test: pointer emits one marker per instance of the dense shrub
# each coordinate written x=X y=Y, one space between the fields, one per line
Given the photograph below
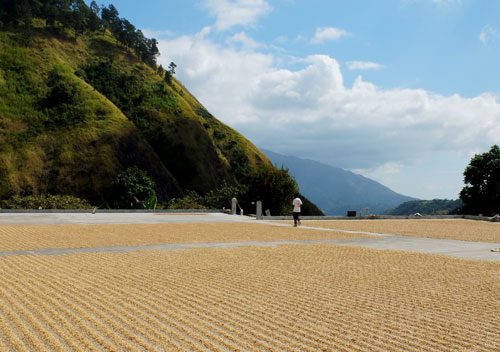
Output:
x=64 y=103
x=481 y=193
x=45 y=202
x=134 y=189
x=221 y=197
x=184 y=203
x=215 y=199
x=275 y=187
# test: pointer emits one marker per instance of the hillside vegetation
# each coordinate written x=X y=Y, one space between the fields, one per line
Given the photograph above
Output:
x=427 y=207
x=79 y=104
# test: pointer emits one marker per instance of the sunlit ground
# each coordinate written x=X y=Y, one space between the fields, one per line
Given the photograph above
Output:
x=307 y=297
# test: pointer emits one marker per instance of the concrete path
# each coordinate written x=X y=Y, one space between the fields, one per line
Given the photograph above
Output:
x=455 y=248
x=462 y=249
x=114 y=218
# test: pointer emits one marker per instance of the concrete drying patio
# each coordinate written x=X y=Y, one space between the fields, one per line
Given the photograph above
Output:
x=456 y=248
x=216 y=282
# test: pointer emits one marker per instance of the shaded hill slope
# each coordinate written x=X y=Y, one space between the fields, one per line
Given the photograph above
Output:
x=335 y=190
x=77 y=110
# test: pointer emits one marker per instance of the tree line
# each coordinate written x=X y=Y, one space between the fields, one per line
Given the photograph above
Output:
x=79 y=17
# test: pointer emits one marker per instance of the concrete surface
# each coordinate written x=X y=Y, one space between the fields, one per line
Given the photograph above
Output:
x=114 y=218
x=462 y=249
x=388 y=217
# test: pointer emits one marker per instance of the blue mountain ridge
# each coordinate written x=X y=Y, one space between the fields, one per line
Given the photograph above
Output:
x=335 y=190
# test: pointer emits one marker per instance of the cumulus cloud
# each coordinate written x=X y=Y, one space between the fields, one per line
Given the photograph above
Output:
x=310 y=112
x=244 y=41
x=230 y=13
x=363 y=65
x=312 y=104
x=328 y=33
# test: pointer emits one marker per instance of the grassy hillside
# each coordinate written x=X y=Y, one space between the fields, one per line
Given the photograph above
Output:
x=77 y=110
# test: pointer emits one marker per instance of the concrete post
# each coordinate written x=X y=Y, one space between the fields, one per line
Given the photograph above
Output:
x=233 y=206
x=258 y=211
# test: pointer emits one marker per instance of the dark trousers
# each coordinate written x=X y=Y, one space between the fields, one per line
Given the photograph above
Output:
x=296 y=217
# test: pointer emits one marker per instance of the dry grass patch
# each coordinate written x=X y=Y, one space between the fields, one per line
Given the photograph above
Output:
x=15 y=238
x=457 y=229
x=307 y=297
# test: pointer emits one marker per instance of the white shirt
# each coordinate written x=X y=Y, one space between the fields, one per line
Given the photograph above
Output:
x=296 y=205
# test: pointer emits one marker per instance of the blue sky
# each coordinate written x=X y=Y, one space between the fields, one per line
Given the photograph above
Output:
x=402 y=91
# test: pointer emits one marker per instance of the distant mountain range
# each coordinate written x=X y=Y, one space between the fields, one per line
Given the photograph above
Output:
x=334 y=190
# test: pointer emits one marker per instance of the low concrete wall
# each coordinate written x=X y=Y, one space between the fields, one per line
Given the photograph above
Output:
x=41 y=211
x=208 y=211
x=386 y=217
x=482 y=218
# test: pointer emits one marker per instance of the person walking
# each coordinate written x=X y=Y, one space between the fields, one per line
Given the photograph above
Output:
x=297 y=203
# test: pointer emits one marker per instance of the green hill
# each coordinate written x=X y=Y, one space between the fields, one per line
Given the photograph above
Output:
x=427 y=207
x=78 y=106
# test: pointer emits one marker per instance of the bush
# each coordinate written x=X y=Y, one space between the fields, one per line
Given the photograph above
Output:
x=215 y=199
x=134 y=189
x=184 y=203
x=64 y=103
x=221 y=197
x=46 y=202
x=274 y=187
x=481 y=193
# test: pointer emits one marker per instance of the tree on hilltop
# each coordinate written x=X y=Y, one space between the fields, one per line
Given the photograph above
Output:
x=170 y=73
x=171 y=68
x=76 y=15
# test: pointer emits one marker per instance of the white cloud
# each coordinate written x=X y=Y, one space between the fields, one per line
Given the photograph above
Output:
x=156 y=34
x=309 y=112
x=363 y=65
x=244 y=40
x=328 y=33
x=381 y=172
x=281 y=39
x=487 y=33
x=230 y=13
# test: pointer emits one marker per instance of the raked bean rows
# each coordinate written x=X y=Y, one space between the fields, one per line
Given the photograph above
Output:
x=19 y=237
x=287 y=298
x=453 y=229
